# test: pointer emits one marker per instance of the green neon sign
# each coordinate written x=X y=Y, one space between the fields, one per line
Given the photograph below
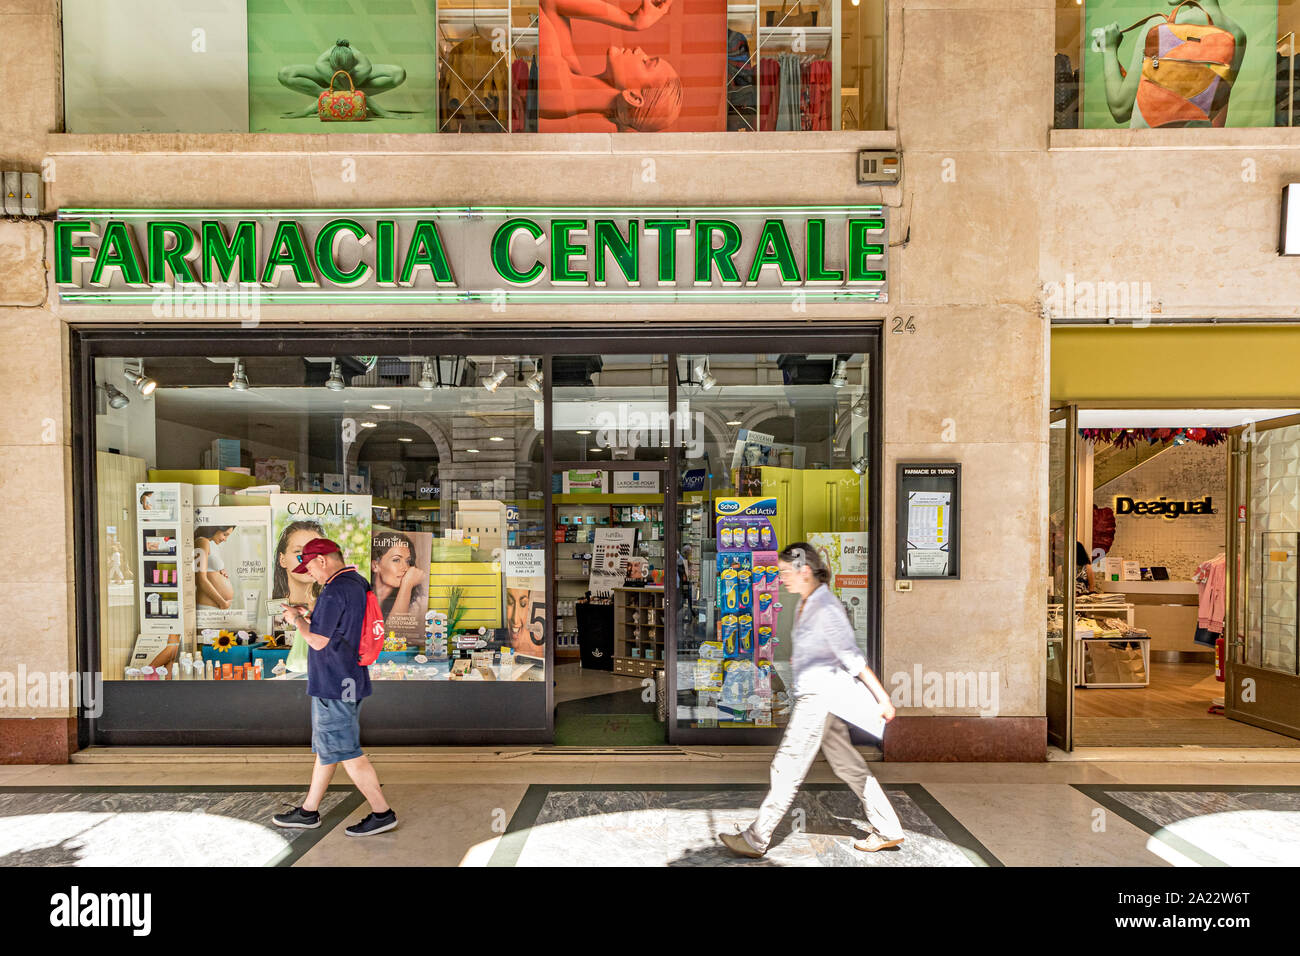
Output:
x=536 y=254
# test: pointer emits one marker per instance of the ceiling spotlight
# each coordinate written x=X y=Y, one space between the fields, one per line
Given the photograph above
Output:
x=598 y=449
x=369 y=424
x=471 y=451
x=534 y=380
x=116 y=397
x=734 y=421
x=335 y=382
x=496 y=438
x=493 y=383
x=860 y=465
x=840 y=378
x=239 y=381
x=134 y=374
x=707 y=381
x=427 y=380
x=406 y=439
x=381 y=408
x=584 y=431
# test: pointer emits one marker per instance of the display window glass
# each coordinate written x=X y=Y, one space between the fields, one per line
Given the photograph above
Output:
x=212 y=474
x=781 y=456
x=460 y=66
x=1133 y=64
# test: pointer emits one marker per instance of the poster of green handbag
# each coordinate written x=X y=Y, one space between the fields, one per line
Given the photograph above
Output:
x=1164 y=64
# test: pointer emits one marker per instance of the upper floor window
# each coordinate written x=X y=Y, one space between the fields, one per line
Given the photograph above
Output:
x=1157 y=64
x=472 y=66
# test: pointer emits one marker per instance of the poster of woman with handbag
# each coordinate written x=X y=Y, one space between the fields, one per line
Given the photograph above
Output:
x=359 y=76
x=342 y=67
x=604 y=68
x=1181 y=70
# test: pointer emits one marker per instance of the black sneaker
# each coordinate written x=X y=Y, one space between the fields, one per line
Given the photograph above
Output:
x=373 y=823
x=298 y=819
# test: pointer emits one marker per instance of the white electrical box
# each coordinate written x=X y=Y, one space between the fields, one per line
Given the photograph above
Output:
x=879 y=166
x=13 y=188
x=31 y=199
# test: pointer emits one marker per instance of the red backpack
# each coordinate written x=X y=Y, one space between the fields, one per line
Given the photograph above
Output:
x=371 y=640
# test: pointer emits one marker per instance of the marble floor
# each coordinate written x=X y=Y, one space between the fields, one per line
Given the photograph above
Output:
x=677 y=825
x=148 y=826
x=513 y=808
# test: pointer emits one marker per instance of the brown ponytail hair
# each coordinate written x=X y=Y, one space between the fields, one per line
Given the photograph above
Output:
x=802 y=554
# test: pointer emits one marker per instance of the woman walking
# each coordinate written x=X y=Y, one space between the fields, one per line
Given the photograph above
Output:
x=832 y=684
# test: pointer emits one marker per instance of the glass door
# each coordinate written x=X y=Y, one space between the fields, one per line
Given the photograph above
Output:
x=1262 y=667
x=774 y=451
x=1062 y=568
x=613 y=544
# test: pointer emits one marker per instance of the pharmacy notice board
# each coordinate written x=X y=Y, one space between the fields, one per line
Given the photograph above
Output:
x=928 y=535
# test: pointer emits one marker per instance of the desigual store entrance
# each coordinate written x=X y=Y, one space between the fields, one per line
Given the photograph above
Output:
x=572 y=533
x=1173 y=542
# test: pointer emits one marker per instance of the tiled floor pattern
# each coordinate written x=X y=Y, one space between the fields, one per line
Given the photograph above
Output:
x=1214 y=826
x=140 y=826
x=656 y=812
x=677 y=825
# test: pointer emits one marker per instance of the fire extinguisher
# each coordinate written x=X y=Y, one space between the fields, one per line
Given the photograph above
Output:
x=1218 y=660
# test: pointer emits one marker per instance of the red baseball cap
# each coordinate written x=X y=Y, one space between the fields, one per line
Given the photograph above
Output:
x=314 y=549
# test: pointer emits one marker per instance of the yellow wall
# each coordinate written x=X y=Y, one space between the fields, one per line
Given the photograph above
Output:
x=1225 y=365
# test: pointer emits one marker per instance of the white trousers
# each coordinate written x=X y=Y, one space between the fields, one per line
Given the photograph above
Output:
x=813 y=727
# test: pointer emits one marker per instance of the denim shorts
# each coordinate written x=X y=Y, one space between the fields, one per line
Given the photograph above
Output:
x=335 y=729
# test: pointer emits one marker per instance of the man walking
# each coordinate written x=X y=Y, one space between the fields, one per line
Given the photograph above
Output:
x=337 y=685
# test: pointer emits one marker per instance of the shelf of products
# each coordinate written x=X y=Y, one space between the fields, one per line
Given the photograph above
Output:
x=639 y=631
x=1109 y=651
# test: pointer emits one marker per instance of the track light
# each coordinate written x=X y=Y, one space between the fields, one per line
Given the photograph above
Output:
x=134 y=374
x=116 y=398
x=427 y=380
x=335 y=382
x=239 y=381
x=840 y=378
x=493 y=383
x=860 y=465
x=534 y=380
x=707 y=381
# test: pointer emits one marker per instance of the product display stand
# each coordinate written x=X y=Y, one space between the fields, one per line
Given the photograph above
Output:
x=638 y=631
x=575 y=527
x=1102 y=655
x=165 y=546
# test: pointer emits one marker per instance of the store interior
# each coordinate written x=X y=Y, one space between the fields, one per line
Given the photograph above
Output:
x=431 y=472
x=1152 y=582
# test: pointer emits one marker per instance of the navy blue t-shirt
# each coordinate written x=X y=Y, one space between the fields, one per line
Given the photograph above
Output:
x=339 y=613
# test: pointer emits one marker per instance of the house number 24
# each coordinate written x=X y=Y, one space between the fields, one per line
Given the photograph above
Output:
x=902 y=325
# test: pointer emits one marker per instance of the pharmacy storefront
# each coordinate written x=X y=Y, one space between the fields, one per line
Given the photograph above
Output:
x=537 y=502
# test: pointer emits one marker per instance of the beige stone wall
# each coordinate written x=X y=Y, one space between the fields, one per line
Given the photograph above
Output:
x=977 y=217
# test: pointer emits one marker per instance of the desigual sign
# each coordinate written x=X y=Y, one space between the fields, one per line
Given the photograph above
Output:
x=1164 y=508
x=491 y=253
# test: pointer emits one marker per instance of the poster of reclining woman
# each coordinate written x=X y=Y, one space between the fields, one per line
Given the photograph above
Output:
x=632 y=65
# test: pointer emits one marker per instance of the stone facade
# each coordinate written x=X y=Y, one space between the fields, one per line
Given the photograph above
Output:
x=992 y=205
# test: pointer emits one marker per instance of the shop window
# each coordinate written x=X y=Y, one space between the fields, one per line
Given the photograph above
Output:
x=779 y=455
x=213 y=473
x=1123 y=64
x=460 y=66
